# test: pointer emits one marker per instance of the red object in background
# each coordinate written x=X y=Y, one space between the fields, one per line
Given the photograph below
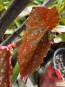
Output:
x=25 y=78
x=52 y=78
x=55 y=74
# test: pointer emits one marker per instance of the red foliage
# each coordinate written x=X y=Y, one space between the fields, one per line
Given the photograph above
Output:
x=5 y=67
x=35 y=42
x=51 y=78
x=43 y=17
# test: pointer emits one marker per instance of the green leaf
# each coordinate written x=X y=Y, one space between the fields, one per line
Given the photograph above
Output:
x=17 y=23
x=63 y=37
x=60 y=28
x=62 y=21
x=15 y=72
x=9 y=31
x=1 y=1
x=1 y=7
x=60 y=3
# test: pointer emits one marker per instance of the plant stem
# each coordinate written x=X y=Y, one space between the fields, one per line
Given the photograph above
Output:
x=19 y=30
x=10 y=14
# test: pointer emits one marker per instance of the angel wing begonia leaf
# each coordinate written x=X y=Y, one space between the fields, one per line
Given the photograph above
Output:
x=30 y=62
x=41 y=15
x=35 y=42
x=5 y=69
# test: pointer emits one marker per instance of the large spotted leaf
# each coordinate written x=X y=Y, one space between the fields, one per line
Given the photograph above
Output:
x=35 y=42
x=5 y=69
